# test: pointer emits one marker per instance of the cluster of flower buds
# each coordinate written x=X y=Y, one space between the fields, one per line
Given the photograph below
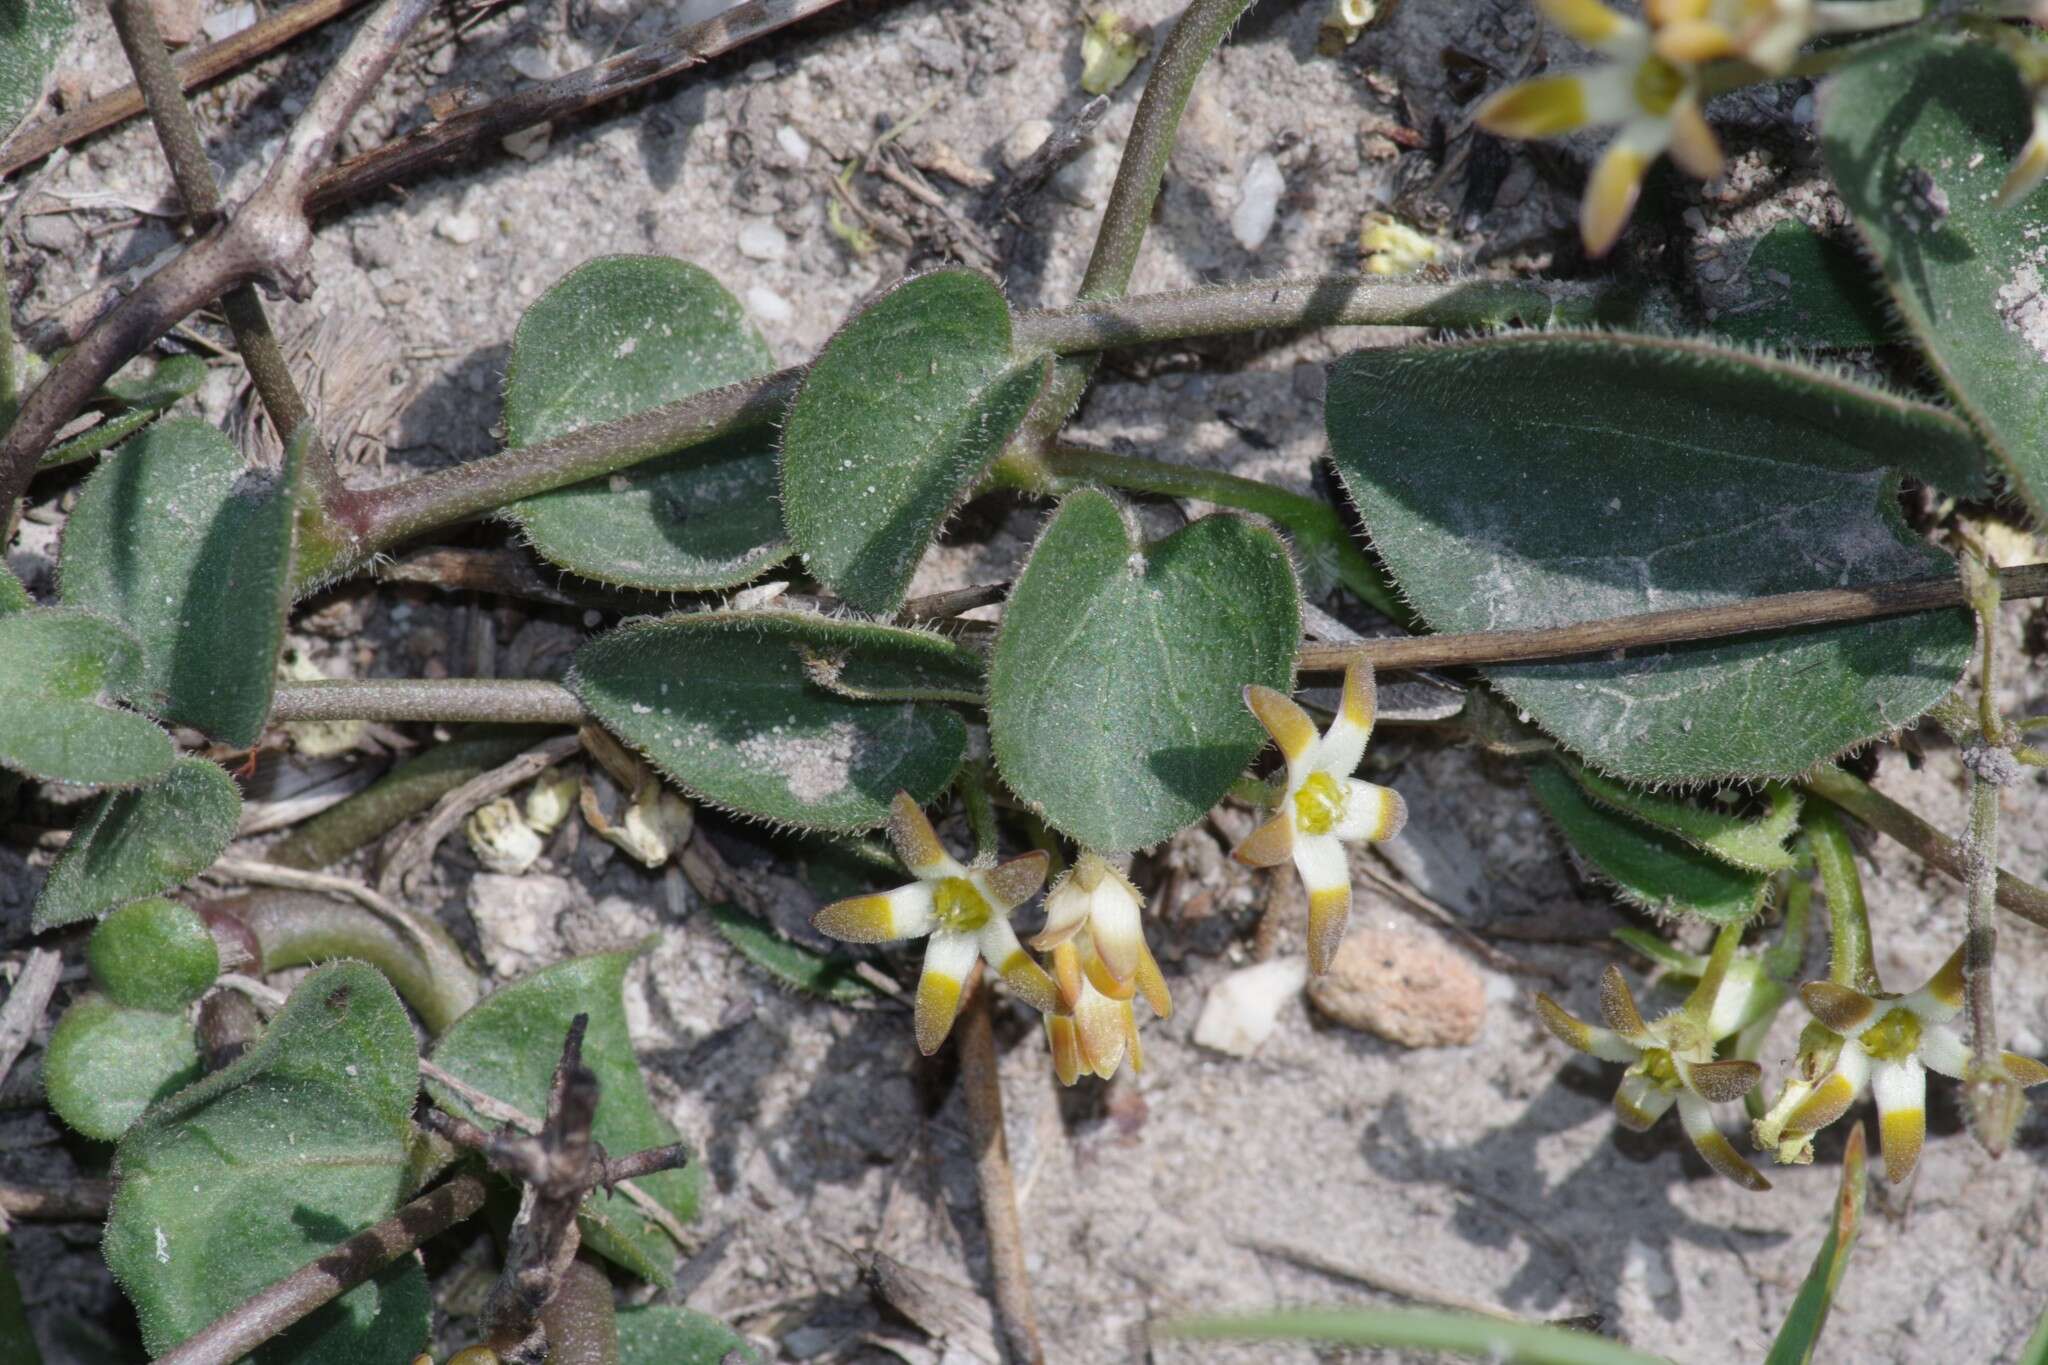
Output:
x=1093 y=931
x=1649 y=87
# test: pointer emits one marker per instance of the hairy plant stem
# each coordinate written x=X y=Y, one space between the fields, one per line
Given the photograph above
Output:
x=981 y=1079
x=178 y=131
x=1315 y=525
x=1980 y=935
x=1936 y=849
x=1194 y=38
x=1850 y=962
x=271 y=1311
x=972 y=782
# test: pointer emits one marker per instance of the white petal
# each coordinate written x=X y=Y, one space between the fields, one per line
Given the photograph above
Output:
x=1942 y=1049
x=1610 y=88
x=1370 y=812
x=884 y=917
x=1066 y=910
x=1899 y=1086
x=1116 y=927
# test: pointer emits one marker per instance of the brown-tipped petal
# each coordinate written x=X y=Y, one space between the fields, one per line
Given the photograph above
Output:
x=1326 y=874
x=1270 y=845
x=1286 y=722
x=1066 y=1047
x=948 y=958
x=1845 y=1011
x=1618 y=1007
x=1693 y=144
x=1688 y=42
x=1723 y=1082
x=1543 y=107
x=1901 y=1092
x=1020 y=971
x=1066 y=973
x=1116 y=926
x=1066 y=910
x=1714 y=1146
x=903 y=913
x=915 y=841
x=2025 y=1071
x=1945 y=987
x=1015 y=880
x=1152 y=985
x=1639 y=1102
x=1573 y=1031
x=1371 y=812
x=1100 y=1023
x=1343 y=744
x=1829 y=1101
x=1611 y=197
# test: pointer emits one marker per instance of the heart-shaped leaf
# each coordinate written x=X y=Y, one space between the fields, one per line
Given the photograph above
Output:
x=107 y=1063
x=1919 y=135
x=1550 y=479
x=179 y=540
x=1648 y=867
x=31 y=35
x=508 y=1047
x=1116 y=694
x=139 y=843
x=620 y=335
x=726 y=705
x=59 y=669
x=895 y=423
x=260 y=1168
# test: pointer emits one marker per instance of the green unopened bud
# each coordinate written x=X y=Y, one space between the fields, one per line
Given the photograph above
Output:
x=1111 y=49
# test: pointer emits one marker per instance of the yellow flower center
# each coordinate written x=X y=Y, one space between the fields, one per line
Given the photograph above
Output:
x=1894 y=1037
x=1658 y=85
x=1319 y=804
x=1660 y=1069
x=959 y=907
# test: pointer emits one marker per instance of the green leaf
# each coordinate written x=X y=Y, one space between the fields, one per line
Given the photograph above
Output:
x=13 y=596
x=153 y=954
x=1804 y=290
x=1545 y=480
x=1919 y=135
x=179 y=540
x=619 y=335
x=659 y=1334
x=255 y=1171
x=1497 y=1340
x=1116 y=696
x=1648 y=867
x=1809 y=1313
x=723 y=704
x=898 y=665
x=508 y=1047
x=107 y=1063
x=2035 y=1350
x=1756 y=845
x=138 y=843
x=58 y=670
x=17 y=1341
x=896 y=421
x=796 y=967
x=142 y=400
x=32 y=32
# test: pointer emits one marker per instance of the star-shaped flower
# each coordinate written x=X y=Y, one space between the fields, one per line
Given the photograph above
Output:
x=1094 y=896
x=1649 y=86
x=1672 y=1060
x=1323 y=806
x=1099 y=1023
x=1890 y=1043
x=966 y=910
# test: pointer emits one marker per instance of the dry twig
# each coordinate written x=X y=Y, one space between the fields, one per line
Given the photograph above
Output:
x=417 y=848
x=27 y=1000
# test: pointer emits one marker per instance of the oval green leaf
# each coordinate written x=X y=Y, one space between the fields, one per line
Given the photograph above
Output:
x=107 y=1063
x=1919 y=135
x=1754 y=844
x=725 y=705
x=1547 y=480
x=619 y=335
x=59 y=670
x=662 y=1334
x=255 y=1171
x=1116 y=695
x=1648 y=867
x=153 y=954
x=895 y=423
x=179 y=540
x=508 y=1047
x=30 y=38
x=139 y=843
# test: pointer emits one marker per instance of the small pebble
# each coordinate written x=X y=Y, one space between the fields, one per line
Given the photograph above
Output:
x=463 y=229
x=1243 y=1008
x=1404 y=988
x=794 y=145
x=761 y=240
x=1023 y=140
x=768 y=306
